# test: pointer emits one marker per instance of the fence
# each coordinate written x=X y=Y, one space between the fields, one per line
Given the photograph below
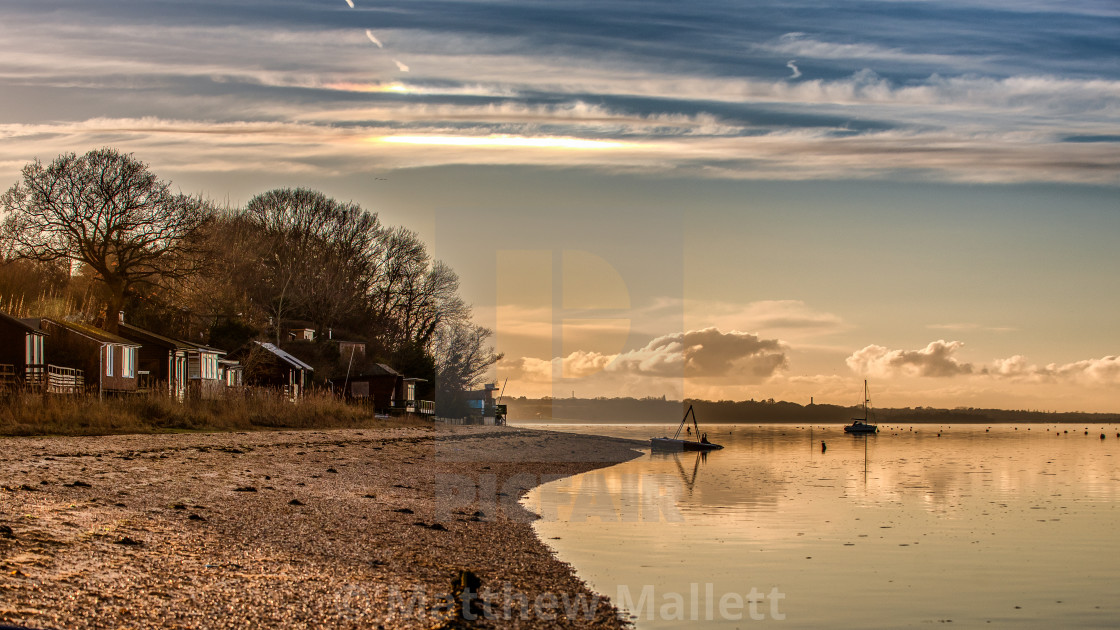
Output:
x=62 y=380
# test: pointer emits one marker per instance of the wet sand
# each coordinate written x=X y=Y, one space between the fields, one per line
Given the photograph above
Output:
x=340 y=528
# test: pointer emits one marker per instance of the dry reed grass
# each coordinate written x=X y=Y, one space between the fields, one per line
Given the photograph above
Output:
x=251 y=409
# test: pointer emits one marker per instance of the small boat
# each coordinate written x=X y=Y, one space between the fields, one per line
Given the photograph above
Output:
x=674 y=443
x=861 y=425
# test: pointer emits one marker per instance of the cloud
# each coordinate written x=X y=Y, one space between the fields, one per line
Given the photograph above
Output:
x=373 y=38
x=958 y=125
x=1104 y=371
x=970 y=326
x=800 y=45
x=705 y=353
x=701 y=354
x=935 y=360
x=792 y=65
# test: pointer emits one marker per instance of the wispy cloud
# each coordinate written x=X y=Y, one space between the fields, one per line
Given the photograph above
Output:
x=949 y=124
x=970 y=326
x=801 y=45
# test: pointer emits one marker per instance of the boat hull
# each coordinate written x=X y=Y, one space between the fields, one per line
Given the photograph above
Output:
x=861 y=428
x=669 y=444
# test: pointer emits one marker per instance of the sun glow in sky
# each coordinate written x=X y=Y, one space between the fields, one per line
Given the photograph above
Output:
x=502 y=142
x=791 y=197
x=395 y=88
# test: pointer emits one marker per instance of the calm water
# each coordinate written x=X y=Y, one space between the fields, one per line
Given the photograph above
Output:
x=974 y=528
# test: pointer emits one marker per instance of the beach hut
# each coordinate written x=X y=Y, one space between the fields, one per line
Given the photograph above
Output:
x=162 y=360
x=22 y=358
x=109 y=361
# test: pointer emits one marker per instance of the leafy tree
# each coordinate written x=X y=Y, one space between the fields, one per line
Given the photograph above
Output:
x=105 y=211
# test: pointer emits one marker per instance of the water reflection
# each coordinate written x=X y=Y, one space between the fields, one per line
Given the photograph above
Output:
x=689 y=479
x=914 y=525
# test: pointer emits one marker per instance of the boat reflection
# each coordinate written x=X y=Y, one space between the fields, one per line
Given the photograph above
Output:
x=689 y=479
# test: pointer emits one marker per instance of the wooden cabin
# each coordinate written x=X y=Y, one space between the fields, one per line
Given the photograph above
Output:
x=269 y=366
x=110 y=362
x=387 y=390
x=22 y=360
x=204 y=375
x=231 y=373
x=162 y=360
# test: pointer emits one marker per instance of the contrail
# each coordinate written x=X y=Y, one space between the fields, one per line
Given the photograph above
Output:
x=351 y=3
x=792 y=65
x=401 y=66
x=373 y=39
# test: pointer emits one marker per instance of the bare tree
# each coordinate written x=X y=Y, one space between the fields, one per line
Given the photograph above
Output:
x=107 y=211
x=317 y=256
x=463 y=358
x=413 y=295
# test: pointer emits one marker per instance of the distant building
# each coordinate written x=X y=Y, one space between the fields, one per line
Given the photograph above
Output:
x=483 y=408
x=351 y=350
x=302 y=334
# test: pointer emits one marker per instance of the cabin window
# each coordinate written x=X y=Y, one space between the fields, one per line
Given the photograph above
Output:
x=109 y=356
x=129 y=363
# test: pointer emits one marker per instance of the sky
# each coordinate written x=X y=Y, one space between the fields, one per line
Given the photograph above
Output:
x=724 y=200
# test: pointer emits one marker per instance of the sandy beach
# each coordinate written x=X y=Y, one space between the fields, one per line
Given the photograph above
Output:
x=353 y=528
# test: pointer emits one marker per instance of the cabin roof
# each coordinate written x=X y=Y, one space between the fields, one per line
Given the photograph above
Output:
x=92 y=332
x=148 y=336
x=284 y=356
x=4 y=317
x=203 y=348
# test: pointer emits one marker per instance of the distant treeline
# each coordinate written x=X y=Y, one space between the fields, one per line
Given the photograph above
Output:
x=635 y=410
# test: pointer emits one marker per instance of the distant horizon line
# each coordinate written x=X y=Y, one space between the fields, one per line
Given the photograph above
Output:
x=804 y=406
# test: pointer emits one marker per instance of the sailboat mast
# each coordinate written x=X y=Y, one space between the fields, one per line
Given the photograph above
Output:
x=866 y=399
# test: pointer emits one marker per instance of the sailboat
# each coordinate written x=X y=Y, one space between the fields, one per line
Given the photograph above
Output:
x=861 y=425
x=676 y=444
